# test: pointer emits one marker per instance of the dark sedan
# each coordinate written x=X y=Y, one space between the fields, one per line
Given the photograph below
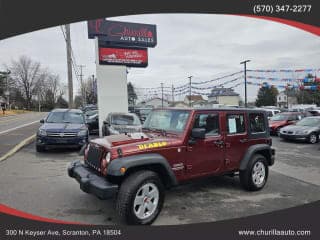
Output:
x=92 y=120
x=117 y=123
x=62 y=128
x=307 y=129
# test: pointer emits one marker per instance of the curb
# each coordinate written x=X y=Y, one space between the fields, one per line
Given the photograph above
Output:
x=20 y=145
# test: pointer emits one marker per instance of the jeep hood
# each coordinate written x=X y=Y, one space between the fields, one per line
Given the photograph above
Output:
x=135 y=142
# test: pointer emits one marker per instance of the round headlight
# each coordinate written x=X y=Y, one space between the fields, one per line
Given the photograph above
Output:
x=108 y=157
x=42 y=132
x=82 y=133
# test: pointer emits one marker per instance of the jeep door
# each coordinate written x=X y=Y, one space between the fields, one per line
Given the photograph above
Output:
x=205 y=156
x=236 y=138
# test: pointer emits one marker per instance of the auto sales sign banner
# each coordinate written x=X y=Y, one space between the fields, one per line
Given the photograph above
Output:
x=131 y=57
x=125 y=33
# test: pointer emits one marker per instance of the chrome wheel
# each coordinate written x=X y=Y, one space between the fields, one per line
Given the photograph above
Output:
x=313 y=138
x=258 y=174
x=146 y=201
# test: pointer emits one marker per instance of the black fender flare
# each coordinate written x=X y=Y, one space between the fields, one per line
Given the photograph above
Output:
x=141 y=160
x=253 y=150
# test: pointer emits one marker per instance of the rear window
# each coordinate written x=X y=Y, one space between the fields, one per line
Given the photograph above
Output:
x=123 y=119
x=235 y=123
x=257 y=123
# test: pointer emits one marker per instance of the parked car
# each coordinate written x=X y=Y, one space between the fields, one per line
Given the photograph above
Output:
x=314 y=112
x=283 y=119
x=62 y=128
x=271 y=112
x=307 y=129
x=117 y=123
x=143 y=113
x=89 y=107
x=176 y=145
x=92 y=120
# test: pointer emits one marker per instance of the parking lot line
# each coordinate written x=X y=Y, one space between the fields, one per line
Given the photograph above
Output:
x=8 y=119
x=21 y=126
x=18 y=147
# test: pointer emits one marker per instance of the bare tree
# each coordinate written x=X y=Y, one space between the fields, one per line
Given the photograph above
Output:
x=26 y=73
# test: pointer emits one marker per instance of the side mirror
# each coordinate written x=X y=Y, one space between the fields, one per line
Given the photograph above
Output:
x=198 y=133
x=42 y=121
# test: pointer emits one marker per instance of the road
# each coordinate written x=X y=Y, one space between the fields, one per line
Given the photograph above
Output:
x=14 y=129
x=38 y=183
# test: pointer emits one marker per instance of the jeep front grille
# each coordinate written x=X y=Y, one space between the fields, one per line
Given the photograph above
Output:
x=94 y=156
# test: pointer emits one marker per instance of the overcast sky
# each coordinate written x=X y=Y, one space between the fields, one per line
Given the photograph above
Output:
x=202 y=45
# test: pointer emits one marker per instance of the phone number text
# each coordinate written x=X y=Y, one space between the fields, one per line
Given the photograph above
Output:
x=262 y=8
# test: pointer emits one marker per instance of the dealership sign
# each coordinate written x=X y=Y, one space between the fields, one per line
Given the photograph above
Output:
x=125 y=33
x=131 y=57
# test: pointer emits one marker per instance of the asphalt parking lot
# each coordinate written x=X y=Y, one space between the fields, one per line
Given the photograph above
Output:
x=38 y=183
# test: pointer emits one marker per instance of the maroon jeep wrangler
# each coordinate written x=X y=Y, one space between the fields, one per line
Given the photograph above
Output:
x=176 y=145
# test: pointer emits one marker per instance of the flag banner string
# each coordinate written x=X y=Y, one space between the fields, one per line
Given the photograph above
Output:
x=284 y=70
x=275 y=79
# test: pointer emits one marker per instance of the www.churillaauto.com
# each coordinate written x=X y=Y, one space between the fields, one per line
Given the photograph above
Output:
x=274 y=232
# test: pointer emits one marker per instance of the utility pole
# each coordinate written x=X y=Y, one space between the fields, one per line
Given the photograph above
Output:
x=83 y=90
x=190 y=90
x=93 y=90
x=162 y=95
x=69 y=65
x=172 y=92
x=245 y=82
x=287 y=96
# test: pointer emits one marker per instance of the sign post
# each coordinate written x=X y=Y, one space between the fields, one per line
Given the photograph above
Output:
x=112 y=89
x=118 y=45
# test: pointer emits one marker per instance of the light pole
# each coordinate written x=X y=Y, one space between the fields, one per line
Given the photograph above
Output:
x=245 y=82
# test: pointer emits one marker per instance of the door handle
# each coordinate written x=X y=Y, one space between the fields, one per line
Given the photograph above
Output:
x=219 y=143
x=243 y=140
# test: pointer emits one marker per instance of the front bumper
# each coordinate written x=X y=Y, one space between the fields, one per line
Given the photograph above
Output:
x=63 y=141
x=293 y=136
x=90 y=181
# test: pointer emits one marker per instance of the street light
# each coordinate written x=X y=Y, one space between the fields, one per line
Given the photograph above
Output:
x=245 y=82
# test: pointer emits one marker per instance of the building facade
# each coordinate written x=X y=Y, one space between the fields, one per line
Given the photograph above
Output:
x=284 y=101
x=154 y=103
x=224 y=96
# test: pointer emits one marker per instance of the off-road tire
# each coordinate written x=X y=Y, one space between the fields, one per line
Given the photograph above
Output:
x=127 y=194
x=246 y=178
x=40 y=148
x=311 y=136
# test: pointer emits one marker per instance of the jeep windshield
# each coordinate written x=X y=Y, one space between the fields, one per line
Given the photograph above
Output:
x=166 y=120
